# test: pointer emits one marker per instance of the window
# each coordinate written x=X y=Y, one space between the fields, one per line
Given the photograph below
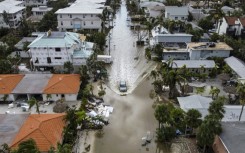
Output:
x=49 y=60
x=57 y=58
x=84 y=23
x=84 y=15
x=57 y=95
x=57 y=49
x=91 y=15
x=60 y=16
x=61 y=23
x=36 y=61
x=92 y=22
x=70 y=16
x=182 y=18
x=71 y=22
x=176 y=18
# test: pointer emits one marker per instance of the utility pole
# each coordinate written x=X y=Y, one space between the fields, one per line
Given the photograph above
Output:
x=109 y=43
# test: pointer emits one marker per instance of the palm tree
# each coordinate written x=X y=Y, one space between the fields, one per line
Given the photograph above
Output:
x=68 y=66
x=200 y=90
x=162 y=114
x=65 y=148
x=178 y=118
x=33 y=102
x=214 y=91
x=5 y=97
x=154 y=74
x=216 y=108
x=193 y=118
x=4 y=148
x=241 y=92
x=48 y=97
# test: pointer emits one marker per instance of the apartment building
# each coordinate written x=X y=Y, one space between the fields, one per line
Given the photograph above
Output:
x=53 y=49
x=14 y=10
x=81 y=15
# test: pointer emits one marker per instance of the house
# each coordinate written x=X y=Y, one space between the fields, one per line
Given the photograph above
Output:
x=62 y=86
x=237 y=66
x=229 y=25
x=198 y=11
x=45 y=129
x=162 y=36
x=203 y=50
x=195 y=66
x=39 y=12
x=152 y=9
x=52 y=49
x=231 y=139
x=8 y=82
x=176 y=13
x=81 y=15
x=15 y=11
x=9 y=126
x=24 y=41
x=201 y=104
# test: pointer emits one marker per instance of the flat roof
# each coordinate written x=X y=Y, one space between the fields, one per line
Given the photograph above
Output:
x=32 y=84
x=236 y=65
x=41 y=9
x=205 y=46
x=20 y=44
x=9 y=126
x=177 y=10
x=233 y=136
x=193 y=63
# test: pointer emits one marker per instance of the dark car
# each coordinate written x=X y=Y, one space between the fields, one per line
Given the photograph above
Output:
x=123 y=86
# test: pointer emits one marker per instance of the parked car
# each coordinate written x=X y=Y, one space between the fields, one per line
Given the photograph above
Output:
x=123 y=86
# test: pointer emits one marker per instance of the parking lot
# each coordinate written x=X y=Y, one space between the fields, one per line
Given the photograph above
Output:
x=4 y=108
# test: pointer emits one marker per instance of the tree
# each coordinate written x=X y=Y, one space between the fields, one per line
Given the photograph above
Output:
x=200 y=90
x=241 y=92
x=205 y=24
x=214 y=91
x=5 y=17
x=48 y=97
x=5 y=97
x=83 y=71
x=162 y=114
x=178 y=118
x=51 y=150
x=49 y=21
x=70 y=131
x=28 y=146
x=216 y=108
x=4 y=148
x=33 y=102
x=165 y=134
x=193 y=118
x=68 y=66
x=65 y=148
x=5 y=67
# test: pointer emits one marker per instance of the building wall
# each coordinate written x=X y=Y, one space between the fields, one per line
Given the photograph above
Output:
x=222 y=27
x=10 y=97
x=199 y=70
x=175 y=56
x=218 y=146
x=178 y=17
x=55 y=97
x=57 y=57
x=204 y=54
x=78 y=21
x=38 y=15
x=35 y=2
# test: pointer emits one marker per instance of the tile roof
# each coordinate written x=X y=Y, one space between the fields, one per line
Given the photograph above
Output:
x=230 y=20
x=45 y=129
x=8 y=82
x=63 y=84
x=242 y=20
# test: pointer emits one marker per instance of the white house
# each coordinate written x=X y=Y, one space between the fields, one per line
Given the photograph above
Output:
x=81 y=15
x=230 y=26
x=176 y=13
x=203 y=50
x=237 y=66
x=161 y=36
x=53 y=49
x=195 y=66
x=227 y=10
x=201 y=104
x=15 y=10
x=39 y=12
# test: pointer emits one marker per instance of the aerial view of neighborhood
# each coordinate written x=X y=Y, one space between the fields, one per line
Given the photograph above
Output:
x=122 y=76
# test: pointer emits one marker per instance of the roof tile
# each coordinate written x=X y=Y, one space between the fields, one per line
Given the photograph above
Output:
x=8 y=82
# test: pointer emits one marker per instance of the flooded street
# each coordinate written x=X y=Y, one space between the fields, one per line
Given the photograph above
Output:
x=129 y=63
x=133 y=114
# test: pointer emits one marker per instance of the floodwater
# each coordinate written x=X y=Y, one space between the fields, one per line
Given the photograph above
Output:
x=129 y=63
x=133 y=115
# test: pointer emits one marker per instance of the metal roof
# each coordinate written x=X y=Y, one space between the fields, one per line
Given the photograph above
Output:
x=56 y=39
x=176 y=10
x=233 y=136
x=41 y=9
x=193 y=63
x=236 y=65
x=10 y=6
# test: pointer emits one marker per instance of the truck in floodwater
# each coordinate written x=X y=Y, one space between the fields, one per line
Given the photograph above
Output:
x=104 y=58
